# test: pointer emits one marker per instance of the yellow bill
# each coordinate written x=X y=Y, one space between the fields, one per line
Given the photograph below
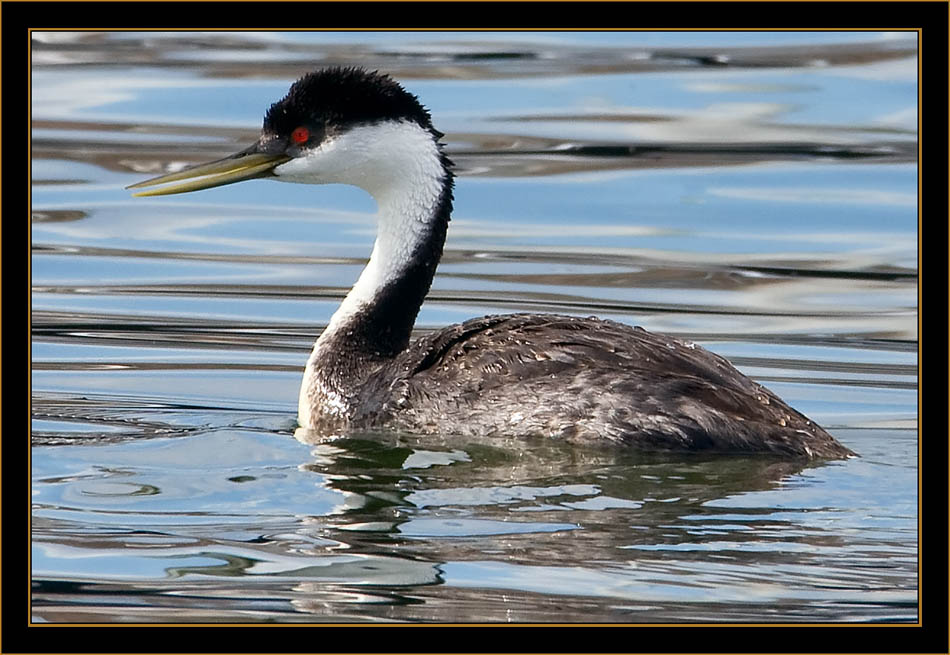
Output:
x=229 y=170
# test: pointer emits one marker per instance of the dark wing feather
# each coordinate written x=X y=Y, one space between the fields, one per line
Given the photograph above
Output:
x=585 y=379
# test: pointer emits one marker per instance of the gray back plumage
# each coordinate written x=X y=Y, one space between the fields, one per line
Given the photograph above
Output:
x=583 y=379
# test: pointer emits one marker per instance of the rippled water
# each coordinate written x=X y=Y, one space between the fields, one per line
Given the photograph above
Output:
x=756 y=193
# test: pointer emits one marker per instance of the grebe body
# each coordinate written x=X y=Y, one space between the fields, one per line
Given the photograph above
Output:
x=580 y=379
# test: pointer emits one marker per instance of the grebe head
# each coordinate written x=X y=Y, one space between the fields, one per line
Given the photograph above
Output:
x=343 y=125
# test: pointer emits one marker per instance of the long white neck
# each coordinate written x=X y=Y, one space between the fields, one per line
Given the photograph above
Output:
x=401 y=166
x=407 y=197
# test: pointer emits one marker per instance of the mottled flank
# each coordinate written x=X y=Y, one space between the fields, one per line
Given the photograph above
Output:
x=585 y=380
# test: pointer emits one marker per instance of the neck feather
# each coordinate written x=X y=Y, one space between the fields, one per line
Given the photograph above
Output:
x=374 y=322
x=380 y=310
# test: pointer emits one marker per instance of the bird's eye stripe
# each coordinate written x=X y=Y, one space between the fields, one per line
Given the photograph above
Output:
x=300 y=135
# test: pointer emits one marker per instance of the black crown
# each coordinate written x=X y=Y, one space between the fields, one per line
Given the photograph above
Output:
x=337 y=98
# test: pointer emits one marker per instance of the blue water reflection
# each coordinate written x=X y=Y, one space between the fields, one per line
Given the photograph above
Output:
x=753 y=192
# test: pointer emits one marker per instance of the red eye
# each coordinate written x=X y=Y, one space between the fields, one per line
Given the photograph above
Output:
x=300 y=135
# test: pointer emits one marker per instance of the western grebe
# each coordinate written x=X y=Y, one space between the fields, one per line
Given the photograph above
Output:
x=582 y=379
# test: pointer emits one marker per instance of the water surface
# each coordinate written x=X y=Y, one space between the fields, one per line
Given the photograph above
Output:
x=755 y=193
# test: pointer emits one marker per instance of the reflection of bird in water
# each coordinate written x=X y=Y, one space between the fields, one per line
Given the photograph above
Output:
x=581 y=379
